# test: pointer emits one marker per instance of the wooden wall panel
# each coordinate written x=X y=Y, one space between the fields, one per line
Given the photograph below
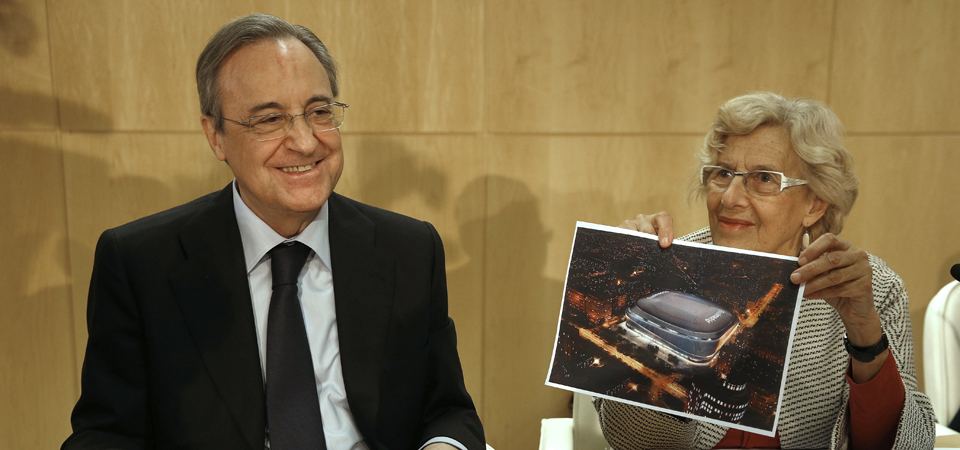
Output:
x=114 y=178
x=500 y=122
x=575 y=66
x=134 y=61
x=37 y=376
x=895 y=66
x=439 y=179
x=148 y=83
x=538 y=187
x=26 y=93
x=520 y=298
x=406 y=66
x=907 y=213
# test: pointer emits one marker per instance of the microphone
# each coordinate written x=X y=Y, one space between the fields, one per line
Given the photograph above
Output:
x=955 y=271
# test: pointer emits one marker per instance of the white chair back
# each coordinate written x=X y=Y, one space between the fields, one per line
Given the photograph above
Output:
x=941 y=352
x=587 y=434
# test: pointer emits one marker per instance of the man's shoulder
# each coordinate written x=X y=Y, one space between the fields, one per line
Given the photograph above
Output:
x=378 y=216
x=170 y=220
x=389 y=230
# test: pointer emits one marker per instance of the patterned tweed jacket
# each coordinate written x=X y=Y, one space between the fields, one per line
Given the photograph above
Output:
x=814 y=409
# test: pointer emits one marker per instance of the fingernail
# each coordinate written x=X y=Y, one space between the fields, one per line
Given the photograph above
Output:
x=795 y=277
x=802 y=260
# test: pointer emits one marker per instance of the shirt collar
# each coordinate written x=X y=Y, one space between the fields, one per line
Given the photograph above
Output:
x=258 y=238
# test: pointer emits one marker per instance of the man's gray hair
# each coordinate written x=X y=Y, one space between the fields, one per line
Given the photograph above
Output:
x=243 y=31
x=814 y=133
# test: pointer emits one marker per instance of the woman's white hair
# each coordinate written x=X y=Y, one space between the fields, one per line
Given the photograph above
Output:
x=814 y=133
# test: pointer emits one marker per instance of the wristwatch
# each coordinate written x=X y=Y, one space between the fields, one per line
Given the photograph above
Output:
x=866 y=354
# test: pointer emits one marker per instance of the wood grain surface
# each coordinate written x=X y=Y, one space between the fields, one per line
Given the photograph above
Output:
x=500 y=122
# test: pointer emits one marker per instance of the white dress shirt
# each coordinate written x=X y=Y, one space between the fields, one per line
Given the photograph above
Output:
x=315 y=288
x=319 y=313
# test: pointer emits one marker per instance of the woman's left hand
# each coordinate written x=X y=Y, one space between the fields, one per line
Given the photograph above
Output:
x=840 y=273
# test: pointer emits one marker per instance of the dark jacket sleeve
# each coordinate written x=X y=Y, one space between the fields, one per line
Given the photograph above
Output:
x=112 y=411
x=448 y=410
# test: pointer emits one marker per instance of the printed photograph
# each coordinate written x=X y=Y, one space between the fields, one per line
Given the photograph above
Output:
x=693 y=330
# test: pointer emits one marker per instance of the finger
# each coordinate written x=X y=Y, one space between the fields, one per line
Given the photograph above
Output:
x=832 y=301
x=844 y=282
x=643 y=223
x=851 y=308
x=832 y=261
x=629 y=224
x=639 y=224
x=823 y=264
x=663 y=222
x=833 y=294
x=829 y=242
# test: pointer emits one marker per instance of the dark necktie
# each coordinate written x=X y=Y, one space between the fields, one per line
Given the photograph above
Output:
x=293 y=410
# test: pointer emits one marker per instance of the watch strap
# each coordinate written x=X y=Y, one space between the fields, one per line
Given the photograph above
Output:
x=866 y=354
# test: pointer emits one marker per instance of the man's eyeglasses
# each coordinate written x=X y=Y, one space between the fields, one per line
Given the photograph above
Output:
x=757 y=182
x=268 y=127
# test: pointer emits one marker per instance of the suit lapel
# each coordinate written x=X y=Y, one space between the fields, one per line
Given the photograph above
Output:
x=214 y=296
x=363 y=280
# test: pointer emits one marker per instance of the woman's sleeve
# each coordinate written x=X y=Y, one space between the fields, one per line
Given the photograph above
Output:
x=630 y=427
x=875 y=407
x=916 y=428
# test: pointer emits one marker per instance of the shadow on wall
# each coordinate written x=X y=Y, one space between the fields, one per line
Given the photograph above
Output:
x=18 y=33
x=19 y=36
x=390 y=173
x=42 y=110
x=506 y=242
x=37 y=342
x=38 y=277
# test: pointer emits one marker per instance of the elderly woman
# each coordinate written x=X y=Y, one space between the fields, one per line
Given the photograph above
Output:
x=777 y=179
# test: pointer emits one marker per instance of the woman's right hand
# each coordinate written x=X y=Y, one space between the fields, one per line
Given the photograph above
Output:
x=660 y=224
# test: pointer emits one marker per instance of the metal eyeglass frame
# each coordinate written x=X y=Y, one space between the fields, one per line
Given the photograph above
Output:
x=290 y=119
x=785 y=181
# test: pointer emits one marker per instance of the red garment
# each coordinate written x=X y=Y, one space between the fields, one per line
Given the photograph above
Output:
x=875 y=408
x=744 y=439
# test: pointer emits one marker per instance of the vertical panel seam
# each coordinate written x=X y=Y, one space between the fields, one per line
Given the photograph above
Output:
x=53 y=72
x=482 y=139
x=483 y=285
x=58 y=134
x=832 y=50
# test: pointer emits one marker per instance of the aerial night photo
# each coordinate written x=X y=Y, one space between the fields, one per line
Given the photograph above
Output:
x=694 y=330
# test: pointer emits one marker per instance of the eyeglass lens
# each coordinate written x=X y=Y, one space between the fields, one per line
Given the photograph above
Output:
x=275 y=126
x=758 y=181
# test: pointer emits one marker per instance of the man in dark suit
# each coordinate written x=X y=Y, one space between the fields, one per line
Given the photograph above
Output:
x=180 y=307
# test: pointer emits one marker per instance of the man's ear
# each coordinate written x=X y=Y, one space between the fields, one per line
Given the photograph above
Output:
x=817 y=209
x=209 y=125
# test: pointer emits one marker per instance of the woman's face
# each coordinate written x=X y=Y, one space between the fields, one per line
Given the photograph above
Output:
x=772 y=224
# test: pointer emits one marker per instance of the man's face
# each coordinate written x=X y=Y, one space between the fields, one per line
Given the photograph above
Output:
x=285 y=180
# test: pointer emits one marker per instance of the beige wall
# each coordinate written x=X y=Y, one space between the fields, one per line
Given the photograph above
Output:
x=502 y=122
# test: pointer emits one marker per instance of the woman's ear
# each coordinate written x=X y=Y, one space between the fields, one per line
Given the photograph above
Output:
x=816 y=211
